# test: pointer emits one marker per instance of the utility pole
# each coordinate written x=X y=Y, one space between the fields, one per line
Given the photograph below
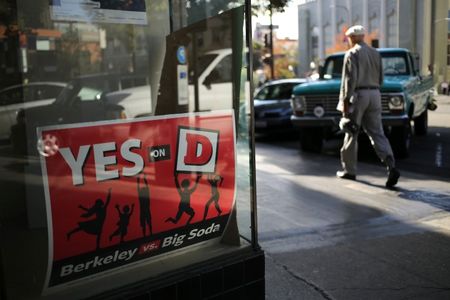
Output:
x=272 y=58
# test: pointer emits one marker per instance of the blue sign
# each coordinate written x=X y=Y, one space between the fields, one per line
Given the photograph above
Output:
x=181 y=55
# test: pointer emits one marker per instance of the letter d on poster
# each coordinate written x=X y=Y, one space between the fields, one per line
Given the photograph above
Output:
x=197 y=150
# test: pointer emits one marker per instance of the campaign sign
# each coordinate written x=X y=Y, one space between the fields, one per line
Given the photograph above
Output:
x=120 y=192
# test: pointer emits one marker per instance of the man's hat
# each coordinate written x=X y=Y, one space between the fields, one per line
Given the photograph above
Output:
x=355 y=30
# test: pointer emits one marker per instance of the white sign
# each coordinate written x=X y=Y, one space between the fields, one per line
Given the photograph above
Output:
x=183 y=85
x=99 y=11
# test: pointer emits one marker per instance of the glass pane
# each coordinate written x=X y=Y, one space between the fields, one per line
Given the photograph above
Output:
x=394 y=66
x=127 y=150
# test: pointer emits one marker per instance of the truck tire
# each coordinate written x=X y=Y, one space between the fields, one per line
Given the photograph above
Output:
x=421 y=124
x=400 y=139
x=311 y=140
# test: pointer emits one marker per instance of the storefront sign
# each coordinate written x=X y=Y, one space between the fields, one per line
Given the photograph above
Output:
x=182 y=84
x=181 y=55
x=99 y=11
x=121 y=192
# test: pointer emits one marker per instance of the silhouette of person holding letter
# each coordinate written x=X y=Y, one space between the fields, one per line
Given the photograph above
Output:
x=185 y=195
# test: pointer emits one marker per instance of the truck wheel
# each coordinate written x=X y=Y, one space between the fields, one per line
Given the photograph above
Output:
x=311 y=140
x=421 y=124
x=400 y=139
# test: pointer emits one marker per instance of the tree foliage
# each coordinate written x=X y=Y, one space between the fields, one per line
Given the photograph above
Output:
x=262 y=6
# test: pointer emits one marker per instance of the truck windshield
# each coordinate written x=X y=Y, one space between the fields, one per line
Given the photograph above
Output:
x=394 y=64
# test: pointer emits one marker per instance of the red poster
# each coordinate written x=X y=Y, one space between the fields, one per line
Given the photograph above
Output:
x=120 y=192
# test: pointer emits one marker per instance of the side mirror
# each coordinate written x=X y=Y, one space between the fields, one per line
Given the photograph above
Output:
x=321 y=70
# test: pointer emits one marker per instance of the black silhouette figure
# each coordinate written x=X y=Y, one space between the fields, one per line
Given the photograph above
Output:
x=94 y=226
x=144 y=206
x=124 y=221
x=185 y=195
x=214 y=181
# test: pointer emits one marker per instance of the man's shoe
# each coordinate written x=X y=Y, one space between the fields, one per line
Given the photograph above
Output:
x=345 y=175
x=393 y=177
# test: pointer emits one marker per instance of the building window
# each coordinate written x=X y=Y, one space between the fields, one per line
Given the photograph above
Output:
x=448 y=41
x=374 y=23
x=448 y=50
x=392 y=29
x=328 y=36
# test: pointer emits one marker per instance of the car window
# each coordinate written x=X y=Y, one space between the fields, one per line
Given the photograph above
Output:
x=202 y=63
x=333 y=67
x=46 y=91
x=75 y=92
x=276 y=92
x=12 y=96
x=222 y=71
x=89 y=94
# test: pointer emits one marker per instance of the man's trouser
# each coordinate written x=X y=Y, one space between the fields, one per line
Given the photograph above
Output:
x=366 y=112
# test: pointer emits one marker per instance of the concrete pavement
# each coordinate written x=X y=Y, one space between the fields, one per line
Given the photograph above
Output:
x=327 y=238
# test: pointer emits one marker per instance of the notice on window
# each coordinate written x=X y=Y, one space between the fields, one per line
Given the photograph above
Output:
x=183 y=85
x=122 y=192
x=99 y=11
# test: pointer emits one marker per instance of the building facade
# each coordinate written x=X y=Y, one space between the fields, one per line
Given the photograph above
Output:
x=418 y=25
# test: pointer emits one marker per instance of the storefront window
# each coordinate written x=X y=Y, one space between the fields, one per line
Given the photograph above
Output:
x=126 y=151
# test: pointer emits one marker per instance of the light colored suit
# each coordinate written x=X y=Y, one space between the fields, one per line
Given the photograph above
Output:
x=362 y=76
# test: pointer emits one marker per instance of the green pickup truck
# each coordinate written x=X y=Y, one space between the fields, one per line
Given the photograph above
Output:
x=405 y=96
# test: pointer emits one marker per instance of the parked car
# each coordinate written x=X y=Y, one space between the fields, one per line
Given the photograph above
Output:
x=214 y=81
x=136 y=101
x=82 y=100
x=17 y=97
x=272 y=104
x=406 y=96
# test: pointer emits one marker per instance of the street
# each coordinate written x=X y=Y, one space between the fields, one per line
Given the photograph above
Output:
x=327 y=238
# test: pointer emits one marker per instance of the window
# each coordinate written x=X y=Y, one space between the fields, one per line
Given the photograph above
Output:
x=392 y=28
x=395 y=65
x=47 y=91
x=276 y=92
x=448 y=40
x=122 y=69
x=12 y=96
x=333 y=67
x=328 y=36
x=222 y=72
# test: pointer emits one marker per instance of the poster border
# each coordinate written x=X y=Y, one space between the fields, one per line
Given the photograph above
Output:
x=46 y=290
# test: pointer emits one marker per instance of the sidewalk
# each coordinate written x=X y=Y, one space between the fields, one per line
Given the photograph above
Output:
x=442 y=99
x=413 y=266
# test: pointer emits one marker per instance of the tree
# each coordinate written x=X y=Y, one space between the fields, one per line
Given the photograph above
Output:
x=264 y=6
x=271 y=6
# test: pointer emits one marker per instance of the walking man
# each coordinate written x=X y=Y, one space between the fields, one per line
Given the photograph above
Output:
x=360 y=104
